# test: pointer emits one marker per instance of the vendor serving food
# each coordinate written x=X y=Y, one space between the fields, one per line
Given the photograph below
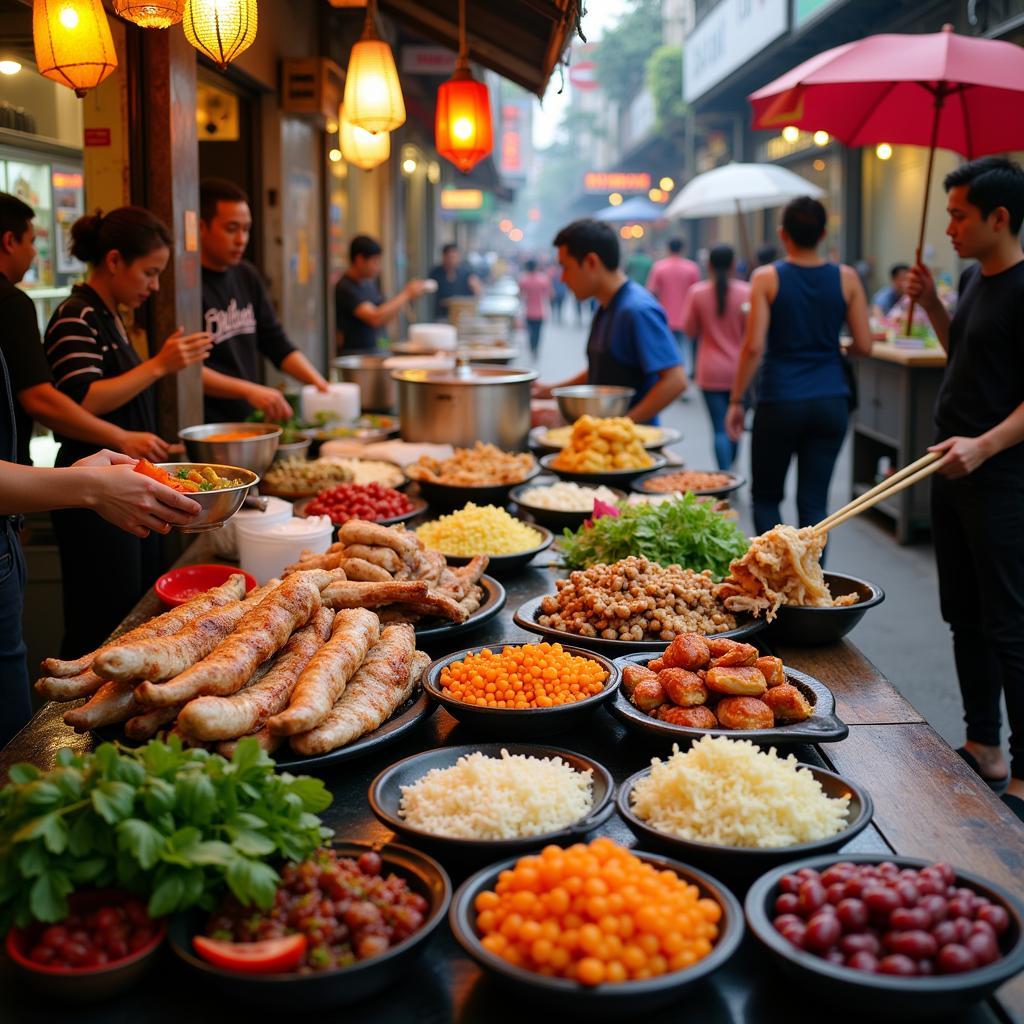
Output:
x=630 y=343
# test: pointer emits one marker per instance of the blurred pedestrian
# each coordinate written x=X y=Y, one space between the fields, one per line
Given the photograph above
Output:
x=558 y=291
x=629 y=344
x=535 y=289
x=454 y=280
x=638 y=265
x=885 y=298
x=978 y=492
x=669 y=281
x=716 y=314
x=95 y=364
x=797 y=308
x=765 y=254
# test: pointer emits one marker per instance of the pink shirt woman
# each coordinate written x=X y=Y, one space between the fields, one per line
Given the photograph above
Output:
x=721 y=335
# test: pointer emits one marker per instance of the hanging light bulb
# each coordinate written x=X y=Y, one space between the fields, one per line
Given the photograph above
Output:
x=150 y=13
x=221 y=29
x=362 y=148
x=373 y=96
x=463 y=132
x=73 y=43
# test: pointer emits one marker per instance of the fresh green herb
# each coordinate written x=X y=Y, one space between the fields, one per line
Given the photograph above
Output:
x=176 y=825
x=686 y=532
x=183 y=474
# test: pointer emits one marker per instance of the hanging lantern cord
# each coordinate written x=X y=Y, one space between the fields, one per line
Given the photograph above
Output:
x=462 y=64
x=370 y=26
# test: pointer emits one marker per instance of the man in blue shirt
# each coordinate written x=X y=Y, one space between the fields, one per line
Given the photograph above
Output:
x=887 y=297
x=630 y=343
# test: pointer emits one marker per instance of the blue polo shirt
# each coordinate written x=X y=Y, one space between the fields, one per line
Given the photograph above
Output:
x=630 y=342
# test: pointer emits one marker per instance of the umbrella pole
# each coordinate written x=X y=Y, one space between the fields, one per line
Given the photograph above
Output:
x=744 y=240
x=940 y=97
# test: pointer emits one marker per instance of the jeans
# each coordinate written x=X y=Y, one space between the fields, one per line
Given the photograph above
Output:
x=813 y=430
x=687 y=350
x=978 y=531
x=15 y=702
x=725 y=448
x=533 y=330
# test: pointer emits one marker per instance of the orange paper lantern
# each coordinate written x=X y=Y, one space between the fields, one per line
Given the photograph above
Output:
x=373 y=96
x=221 y=29
x=463 y=132
x=150 y=13
x=72 y=42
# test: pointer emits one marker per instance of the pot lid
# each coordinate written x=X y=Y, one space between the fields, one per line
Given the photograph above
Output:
x=472 y=374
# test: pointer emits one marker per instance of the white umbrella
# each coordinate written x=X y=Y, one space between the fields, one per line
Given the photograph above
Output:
x=739 y=188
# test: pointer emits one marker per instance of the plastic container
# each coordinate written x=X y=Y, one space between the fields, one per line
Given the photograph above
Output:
x=433 y=336
x=265 y=550
x=225 y=541
x=340 y=400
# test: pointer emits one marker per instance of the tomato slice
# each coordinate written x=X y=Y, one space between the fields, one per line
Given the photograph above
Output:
x=271 y=956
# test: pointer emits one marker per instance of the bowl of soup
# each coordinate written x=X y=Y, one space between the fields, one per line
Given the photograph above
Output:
x=249 y=445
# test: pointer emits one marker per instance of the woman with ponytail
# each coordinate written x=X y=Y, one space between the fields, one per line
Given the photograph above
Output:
x=716 y=313
x=93 y=363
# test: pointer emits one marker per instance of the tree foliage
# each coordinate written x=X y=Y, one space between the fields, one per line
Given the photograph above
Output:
x=622 y=53
x=664 y=71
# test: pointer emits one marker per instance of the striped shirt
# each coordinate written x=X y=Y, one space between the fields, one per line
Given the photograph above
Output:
x=86 y=343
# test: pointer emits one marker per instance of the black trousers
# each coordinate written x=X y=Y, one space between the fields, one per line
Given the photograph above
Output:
x=104 y=571
x=813 y=430
x=978 y=530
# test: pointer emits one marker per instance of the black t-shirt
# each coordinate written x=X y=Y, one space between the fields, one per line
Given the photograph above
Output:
x=357 y=335
x=449 y=288
x=22 y=349
x=238 y=313
x=8 y=451
x=984 y=379
x=86 y=342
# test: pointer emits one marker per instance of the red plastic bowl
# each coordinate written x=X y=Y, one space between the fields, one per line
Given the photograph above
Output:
x=83 y=984
x=181 y=585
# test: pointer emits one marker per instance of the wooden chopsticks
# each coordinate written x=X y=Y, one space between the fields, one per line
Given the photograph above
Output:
x=906 y=477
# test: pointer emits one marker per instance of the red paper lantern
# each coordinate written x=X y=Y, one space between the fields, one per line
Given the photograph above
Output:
x=463 y=132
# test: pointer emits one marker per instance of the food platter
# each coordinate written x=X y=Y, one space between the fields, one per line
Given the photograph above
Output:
x=402 y=481
x=505 y=565
x=419 y=506
x=526 y=618
x=642 y=486
x=493 y=602
x=539 y=440
x=824 y=726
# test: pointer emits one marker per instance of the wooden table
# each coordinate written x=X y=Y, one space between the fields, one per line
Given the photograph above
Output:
x=927 y=804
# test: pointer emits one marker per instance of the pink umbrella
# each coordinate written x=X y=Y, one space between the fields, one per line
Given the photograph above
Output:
x=940 y=89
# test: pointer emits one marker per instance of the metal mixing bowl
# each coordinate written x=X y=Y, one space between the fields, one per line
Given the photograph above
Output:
x=254 y=453
x=592 y=400
x=218 y=506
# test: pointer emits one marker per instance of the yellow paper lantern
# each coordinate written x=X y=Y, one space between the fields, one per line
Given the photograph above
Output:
x=221 y=29
x=362 y=148
x=373 y=96
x=72 y=42
x=150 y=13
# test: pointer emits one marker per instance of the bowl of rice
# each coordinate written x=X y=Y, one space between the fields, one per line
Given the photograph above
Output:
x=731 y=805
x=492 y=799
x=562 y=504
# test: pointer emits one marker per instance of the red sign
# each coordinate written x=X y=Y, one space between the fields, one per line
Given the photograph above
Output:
x=511 y=156
x=583 y=75
x=614 y=181
x=96 y=136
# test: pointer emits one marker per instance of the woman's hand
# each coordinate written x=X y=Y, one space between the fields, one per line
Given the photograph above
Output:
x=181 y=350
x=270 y=402
x=140 y=444
x=735 y=417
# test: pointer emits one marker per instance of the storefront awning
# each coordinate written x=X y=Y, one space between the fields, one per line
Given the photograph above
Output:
x=521 y=40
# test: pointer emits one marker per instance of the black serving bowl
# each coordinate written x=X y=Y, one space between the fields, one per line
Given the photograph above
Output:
x=745 y=863
x=419 y=506
x=329 y=988
x=449 y=496
x=385 y=796
x=915 y=998
x=643 y=485
x=610 y=477
x=506 y=565
x=824 y=726
x=554 y=518
x=513 y=723
x=813 y=627
x=601 y=1001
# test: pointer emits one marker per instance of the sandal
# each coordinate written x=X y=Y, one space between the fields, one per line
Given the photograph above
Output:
x=1016 y=805
x=996 y=785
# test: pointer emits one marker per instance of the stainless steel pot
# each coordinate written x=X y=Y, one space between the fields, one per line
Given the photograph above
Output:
x=469 y=404
x=376 y=388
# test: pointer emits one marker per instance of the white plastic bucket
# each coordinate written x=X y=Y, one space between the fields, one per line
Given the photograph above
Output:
x=341 y=401
x=264 y=551
x=225 y=541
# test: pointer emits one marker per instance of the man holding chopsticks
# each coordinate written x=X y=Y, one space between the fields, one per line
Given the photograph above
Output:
x=978 y=492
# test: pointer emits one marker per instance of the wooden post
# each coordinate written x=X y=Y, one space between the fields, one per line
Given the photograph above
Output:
x=170 y=151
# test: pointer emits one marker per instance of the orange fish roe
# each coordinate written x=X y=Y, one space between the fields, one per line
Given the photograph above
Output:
x=596 y=913
x=529 y=676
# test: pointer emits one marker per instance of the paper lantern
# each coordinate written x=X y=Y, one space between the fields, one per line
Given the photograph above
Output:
x=462 y=125
x=72 y=42
x=154 y=14
x=362 y=148
x=373 y=96
x=221 y=29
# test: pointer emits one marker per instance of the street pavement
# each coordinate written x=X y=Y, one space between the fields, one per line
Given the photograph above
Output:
x=905 y=635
